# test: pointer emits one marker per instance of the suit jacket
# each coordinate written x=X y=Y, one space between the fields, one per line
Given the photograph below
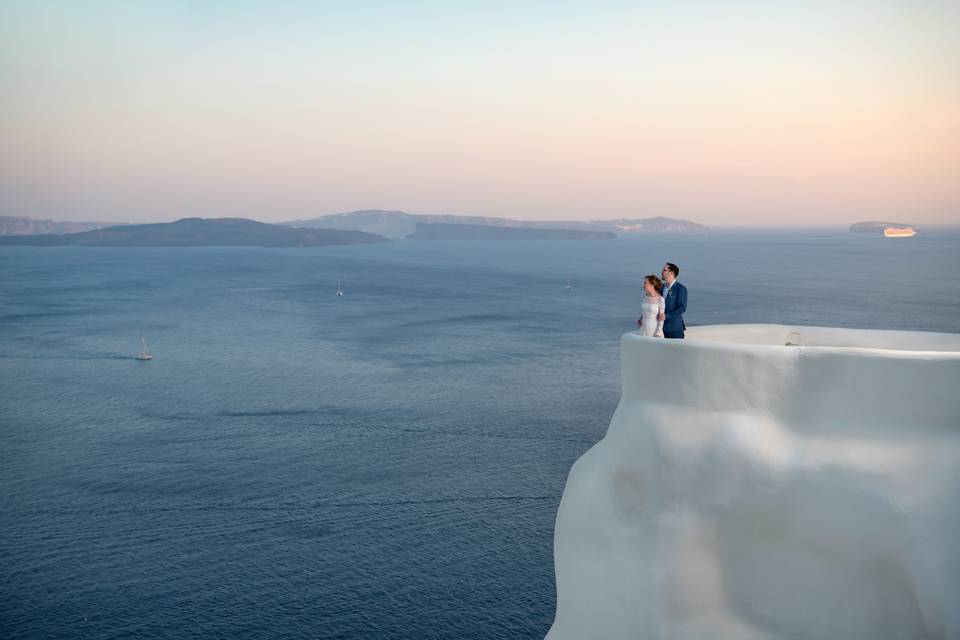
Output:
x=675 y=304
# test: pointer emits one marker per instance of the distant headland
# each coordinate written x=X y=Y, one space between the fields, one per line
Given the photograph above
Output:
x=446 y=231
x=27 y=226
x=401 y=224
x=199 y=232
x=879 y=227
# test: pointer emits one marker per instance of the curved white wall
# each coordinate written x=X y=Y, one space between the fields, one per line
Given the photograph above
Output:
x=747 y=489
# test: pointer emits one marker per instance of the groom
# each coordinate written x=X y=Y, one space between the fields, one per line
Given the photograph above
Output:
x=675 y=302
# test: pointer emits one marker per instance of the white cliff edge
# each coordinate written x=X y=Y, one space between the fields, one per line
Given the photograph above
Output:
x=748 y=489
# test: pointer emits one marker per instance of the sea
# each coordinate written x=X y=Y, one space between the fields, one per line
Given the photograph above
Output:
x=382 y=465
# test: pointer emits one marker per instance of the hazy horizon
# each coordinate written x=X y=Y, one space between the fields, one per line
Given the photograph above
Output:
x=742 y=116
x=716 y=226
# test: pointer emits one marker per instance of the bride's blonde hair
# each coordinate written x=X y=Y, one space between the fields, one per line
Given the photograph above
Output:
x=655 y=281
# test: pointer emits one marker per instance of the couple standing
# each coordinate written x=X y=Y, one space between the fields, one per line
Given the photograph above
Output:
x=664 y=303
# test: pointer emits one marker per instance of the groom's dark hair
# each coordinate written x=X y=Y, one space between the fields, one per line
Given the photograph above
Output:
x=674 y=268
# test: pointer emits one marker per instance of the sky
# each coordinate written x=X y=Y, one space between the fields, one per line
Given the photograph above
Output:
x=725 y=113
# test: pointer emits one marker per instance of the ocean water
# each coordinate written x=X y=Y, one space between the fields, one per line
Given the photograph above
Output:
x=383 y=465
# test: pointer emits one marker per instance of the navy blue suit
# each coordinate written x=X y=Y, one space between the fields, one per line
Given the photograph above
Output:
x=675 y=304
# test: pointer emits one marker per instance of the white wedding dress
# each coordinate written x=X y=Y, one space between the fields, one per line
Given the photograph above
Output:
x=650 y=310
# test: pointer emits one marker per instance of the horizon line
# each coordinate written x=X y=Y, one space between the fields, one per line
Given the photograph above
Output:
x=719 y=226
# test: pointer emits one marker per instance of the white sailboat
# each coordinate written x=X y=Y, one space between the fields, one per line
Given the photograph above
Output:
x=569 y=286
x=144 y=350
x=339 y=289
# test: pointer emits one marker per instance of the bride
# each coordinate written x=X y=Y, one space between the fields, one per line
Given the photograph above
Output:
x=652 y=307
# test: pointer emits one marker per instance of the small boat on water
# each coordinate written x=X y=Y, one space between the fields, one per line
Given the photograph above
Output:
x=339 y=290
x=569 y=286
x=144 y=350
x=899 y=232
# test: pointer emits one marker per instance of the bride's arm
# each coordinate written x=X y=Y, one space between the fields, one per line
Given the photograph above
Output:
x=659 y=332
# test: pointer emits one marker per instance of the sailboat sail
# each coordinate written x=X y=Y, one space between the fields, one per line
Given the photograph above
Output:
x=144 y=350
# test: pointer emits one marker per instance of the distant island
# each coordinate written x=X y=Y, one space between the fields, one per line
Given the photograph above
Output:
x=199 y=232
x=658 y=224
x=400 y=224
x=27 y=226
x=879 y=227
x=355 y=227
x=445 y=231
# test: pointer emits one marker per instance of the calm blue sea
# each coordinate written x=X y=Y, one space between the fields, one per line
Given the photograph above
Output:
x=383 y=465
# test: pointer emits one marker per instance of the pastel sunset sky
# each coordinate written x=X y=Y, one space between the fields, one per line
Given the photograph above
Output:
x=726 y=113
